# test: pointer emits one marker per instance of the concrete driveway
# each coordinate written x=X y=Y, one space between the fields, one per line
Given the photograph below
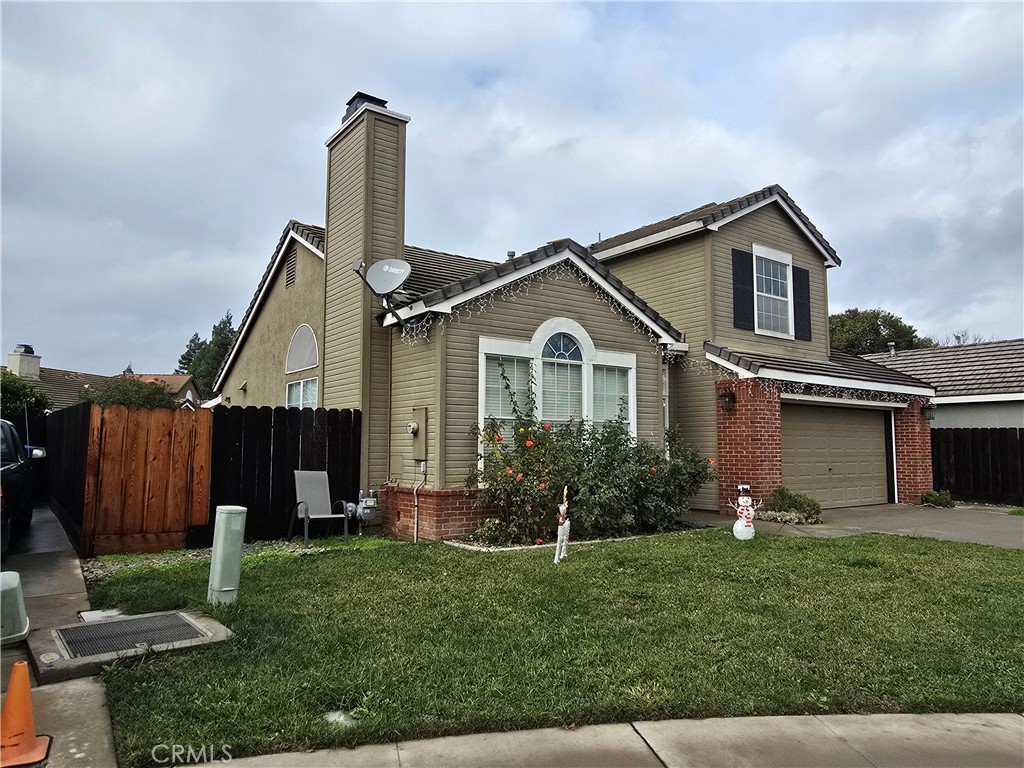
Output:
x=975 y=524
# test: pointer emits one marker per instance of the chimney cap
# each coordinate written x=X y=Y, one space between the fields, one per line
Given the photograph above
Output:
x=358 y=100
x=24 y=349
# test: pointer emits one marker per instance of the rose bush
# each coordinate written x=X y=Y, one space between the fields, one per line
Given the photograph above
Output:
x=618 y=484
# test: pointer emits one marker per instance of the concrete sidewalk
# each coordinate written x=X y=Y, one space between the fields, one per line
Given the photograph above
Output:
x=822 y=741
x=73 y=712
x=975 y=524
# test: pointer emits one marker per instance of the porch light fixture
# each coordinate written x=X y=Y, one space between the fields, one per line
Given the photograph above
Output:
x=728 y=400
x=929 y=410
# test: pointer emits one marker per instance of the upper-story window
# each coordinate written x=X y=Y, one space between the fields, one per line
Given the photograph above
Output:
x=773 y=303
x=302 y=351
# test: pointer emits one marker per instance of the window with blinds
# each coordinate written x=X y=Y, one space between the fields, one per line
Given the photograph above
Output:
x=611 y=393
x=301 y=394
x=562 y=379
x=497 y=401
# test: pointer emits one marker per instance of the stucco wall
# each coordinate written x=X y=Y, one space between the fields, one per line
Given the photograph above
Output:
x=1009 y=414
x=261 y=360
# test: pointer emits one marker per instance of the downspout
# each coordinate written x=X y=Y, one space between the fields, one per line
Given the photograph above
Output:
x=416 y=503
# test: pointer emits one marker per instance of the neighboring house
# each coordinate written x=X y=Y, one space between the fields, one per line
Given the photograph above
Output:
x=714 y=322
x=64 y=388
x=976 y=385
x=67 y=388
x=181 y=385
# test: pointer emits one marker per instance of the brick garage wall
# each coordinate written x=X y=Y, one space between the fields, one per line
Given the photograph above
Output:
x=445 y=513
x=749 y=441
x=913 y=453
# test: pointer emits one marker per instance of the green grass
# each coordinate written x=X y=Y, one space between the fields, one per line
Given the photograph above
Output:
x=1017 y=511
x=430 y=640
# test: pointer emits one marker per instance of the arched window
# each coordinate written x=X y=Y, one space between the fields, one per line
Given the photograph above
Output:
x=562 y=379
x=302 y=351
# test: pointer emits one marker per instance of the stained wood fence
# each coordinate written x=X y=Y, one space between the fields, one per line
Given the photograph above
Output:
x=985 y=465
x=139 y=480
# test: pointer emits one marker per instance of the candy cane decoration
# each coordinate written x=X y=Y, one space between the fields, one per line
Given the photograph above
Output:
x=562 y=545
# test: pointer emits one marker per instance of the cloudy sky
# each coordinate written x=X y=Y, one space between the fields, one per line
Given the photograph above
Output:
x=152 y=153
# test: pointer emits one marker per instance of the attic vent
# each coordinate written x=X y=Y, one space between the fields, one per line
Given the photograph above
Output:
x=289 y=269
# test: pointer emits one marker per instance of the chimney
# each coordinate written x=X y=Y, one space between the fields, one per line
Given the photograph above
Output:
x=892 y=349
x=509 y=255
x=24 y=362
x=365 y=219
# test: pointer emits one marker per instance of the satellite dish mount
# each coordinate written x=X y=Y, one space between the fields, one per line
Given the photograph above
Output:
x=383 y=278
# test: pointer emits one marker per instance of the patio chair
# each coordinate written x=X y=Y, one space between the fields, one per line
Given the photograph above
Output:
x=313 y=502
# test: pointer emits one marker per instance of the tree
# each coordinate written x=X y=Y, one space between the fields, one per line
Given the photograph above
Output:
x=863 y=331
x=132 y=392
x=17 y=395
x=959 y=338
x=193 y=348
x=208 y=358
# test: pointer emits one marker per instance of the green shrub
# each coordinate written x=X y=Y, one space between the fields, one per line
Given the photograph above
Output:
x=620 y=484
x=786 y=506
x=938 y=499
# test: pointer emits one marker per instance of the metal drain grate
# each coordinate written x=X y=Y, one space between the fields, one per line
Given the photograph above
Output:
x=94 y=639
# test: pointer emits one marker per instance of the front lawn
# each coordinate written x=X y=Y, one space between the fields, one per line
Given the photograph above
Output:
x=430 y=640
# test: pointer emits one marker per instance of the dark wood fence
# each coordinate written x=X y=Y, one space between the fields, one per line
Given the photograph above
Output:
x=985 y=465
x=67 y=446
x=255 y=454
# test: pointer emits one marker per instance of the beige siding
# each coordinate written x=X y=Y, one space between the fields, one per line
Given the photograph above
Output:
x=260 y=361
x=415 y=385
x=772 y=227
x=693 y=411
x=346 y=301
x=547 y=297
x=671 y=278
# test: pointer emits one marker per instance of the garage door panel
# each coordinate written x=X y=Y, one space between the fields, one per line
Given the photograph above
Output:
x=835 y=455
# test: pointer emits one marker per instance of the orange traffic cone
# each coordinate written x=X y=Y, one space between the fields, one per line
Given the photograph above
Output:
x=19 y=744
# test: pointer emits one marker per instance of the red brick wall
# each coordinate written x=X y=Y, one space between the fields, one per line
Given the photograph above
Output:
x=913 y=435
x=749 y=441
x=445 y=513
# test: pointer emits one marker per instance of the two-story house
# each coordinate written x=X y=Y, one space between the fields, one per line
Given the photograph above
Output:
x=714 y=321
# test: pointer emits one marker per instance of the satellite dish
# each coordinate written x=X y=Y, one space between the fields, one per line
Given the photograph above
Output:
x=386 y=277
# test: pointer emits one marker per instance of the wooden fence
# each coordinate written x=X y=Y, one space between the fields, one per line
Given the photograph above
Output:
x=146 y=480
x=257 y=450
x=985 y=465
x=67 y=447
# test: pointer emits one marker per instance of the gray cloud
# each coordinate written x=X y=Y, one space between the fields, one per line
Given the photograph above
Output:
x=152 y=152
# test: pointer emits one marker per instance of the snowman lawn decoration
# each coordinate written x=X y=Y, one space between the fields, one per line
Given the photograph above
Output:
x=743 y=528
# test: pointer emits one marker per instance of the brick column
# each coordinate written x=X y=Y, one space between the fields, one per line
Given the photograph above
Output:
x=913 y=433
x=749 y=441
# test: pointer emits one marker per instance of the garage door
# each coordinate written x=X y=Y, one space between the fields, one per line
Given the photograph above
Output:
x=835 y=455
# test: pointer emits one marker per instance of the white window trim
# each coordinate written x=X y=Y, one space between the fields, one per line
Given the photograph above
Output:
x=781 y=257
x=316 y=350
x=302 y=381
x=534 y=349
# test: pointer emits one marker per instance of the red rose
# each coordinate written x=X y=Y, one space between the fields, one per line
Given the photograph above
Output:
x=519 y=477
x=538 y=541
x=509 y=470
x=547 y=426
x=711 y=461
x=498 y=438
x=654 y=470
x=529 y=443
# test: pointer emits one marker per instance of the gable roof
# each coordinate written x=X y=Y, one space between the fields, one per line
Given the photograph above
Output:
x=841 y=369
x=969 y=370
x=711 y=216
x=497 y=274
x=65 y=388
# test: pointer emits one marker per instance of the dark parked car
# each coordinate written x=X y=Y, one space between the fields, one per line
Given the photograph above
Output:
x=17 y=482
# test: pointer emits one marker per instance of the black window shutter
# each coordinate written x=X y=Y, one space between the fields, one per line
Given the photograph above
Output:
x=801 y=304
x=743 y=289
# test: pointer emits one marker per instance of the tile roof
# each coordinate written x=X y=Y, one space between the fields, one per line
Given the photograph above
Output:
x=67 y=388
x=434 y=269
x=709 y=213
x=989 y=368
x=172 y=382
x=498 y=270
x=840 y=364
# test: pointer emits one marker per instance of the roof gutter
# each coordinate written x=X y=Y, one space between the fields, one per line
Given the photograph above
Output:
x=644 y=242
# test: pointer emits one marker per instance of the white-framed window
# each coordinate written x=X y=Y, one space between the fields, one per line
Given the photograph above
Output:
x=572 y=379
x=301 y=394
x=773 y=292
